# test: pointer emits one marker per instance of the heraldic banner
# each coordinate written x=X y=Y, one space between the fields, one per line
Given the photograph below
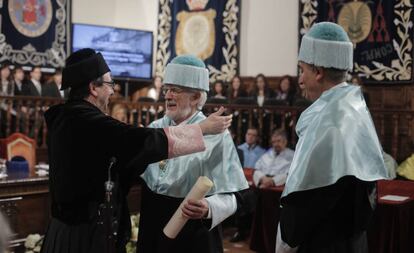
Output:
x=35 y=32
x=381 y=31
x=208 y=29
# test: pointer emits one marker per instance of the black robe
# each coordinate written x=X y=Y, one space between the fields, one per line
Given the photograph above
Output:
x=195 y=237
x=331 y=219
x=81 y=142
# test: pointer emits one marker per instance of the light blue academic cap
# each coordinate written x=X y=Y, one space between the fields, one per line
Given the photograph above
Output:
x=327 y=45
x=187 y=71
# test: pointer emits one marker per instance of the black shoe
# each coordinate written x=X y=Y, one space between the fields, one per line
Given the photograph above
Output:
x=238 y=237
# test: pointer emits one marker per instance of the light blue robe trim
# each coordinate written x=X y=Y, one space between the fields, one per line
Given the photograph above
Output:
x=219 y=162
x=336 y=138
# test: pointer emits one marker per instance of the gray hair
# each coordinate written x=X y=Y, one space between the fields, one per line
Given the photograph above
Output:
x=202 y=100
x=280 y=132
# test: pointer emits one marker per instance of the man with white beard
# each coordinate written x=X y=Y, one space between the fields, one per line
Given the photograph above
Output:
x=169 y=181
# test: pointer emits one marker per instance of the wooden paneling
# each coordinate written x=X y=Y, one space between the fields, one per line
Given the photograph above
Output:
x=391 y=97
x=26 y=204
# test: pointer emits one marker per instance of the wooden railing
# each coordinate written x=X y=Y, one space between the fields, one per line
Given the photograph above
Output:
x=25 y=115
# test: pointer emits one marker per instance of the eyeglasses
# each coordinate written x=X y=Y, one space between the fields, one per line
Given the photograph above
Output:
x=173 y=90
x=109 y=83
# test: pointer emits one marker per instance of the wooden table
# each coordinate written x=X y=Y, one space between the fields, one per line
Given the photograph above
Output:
x=391 y=230
x=26 y=204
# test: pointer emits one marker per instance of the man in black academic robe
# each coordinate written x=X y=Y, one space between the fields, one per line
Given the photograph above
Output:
x=82 y=140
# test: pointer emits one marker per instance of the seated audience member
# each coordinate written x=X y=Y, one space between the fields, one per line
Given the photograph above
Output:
x=285 y=91
x=300 y=98
x=390 y=164
x=406 y=168
x=218 y=90
x=261 y=90
x=358 y=82
x=236 y=89
x=119 y=112
x=52 y=89
x=117 y=92
x=34 y=84
x=154 y=91
x=20 y=87
x=239 y=151
x=6 y=88
x=272 y=168
x=251 y=150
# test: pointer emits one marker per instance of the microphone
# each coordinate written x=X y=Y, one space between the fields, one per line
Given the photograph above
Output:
x=109 y=185
x=112 y=161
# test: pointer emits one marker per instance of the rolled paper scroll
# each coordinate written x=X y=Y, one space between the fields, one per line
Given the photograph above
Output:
x=177 y=221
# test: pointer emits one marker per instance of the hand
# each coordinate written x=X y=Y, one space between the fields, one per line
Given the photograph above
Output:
x=215 y=123
x=195 y=209
x=266 y=182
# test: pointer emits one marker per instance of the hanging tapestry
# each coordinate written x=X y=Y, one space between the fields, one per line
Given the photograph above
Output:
x=35 y=32
x=381 y=31
x=208 y=29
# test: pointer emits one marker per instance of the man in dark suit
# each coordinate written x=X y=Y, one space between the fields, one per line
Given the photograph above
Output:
x=20 y=86
x=34 y=85
x=52 y=89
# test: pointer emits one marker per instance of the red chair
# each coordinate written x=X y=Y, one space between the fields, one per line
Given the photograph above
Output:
x=19 y=144
x=248 y=173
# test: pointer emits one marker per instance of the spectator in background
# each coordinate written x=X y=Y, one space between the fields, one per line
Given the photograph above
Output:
x=406 y=169
x=52 y=89
x=358 y=82
x=119 y=112
x=20 y=87
x=236 y=88
x=34 y=84
x=390 y=164
x=286 y=90
x=218 y=90
x=239 y=151
x=251 y=150
x=300 y=98
x=155 y=90
x=6 y=89
x=261 y=90
x=117 y=92
x=272 y=168
x=6 y=84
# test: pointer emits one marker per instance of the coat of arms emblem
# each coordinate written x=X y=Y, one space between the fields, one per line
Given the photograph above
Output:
x=31 y=18
x=196 y=33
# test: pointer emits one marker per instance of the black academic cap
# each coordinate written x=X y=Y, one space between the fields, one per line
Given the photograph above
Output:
x=82 y=67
